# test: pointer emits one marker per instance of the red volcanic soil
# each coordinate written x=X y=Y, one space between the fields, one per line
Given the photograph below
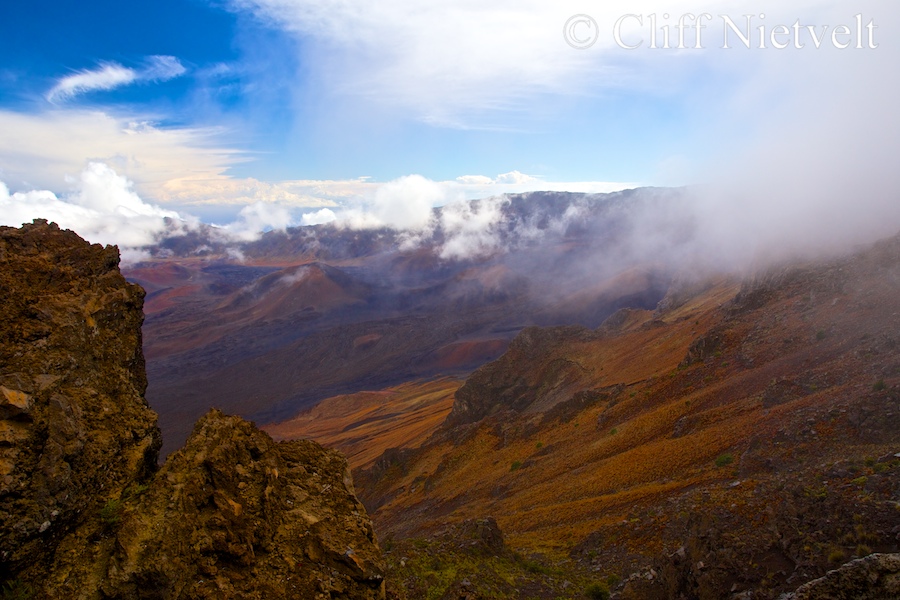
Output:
x=281 y=294
x=167 y=298
x=743 y=426
x=166 y=281
x=365 y=341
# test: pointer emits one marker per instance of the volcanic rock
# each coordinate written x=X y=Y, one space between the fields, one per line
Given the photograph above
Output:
x=75 y=428
x=234 y=514
x=874 y=577
x=84 y=513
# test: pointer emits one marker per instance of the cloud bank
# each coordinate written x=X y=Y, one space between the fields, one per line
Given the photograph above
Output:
x=486 y=65
x=103 y=208
x=39 y=151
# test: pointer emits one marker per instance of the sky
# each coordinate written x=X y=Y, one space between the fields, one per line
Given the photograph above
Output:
x=259 y=114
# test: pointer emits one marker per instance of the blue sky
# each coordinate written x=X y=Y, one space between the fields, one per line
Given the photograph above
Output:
x=208 y=107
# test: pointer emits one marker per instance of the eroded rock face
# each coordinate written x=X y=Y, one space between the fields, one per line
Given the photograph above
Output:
x=75 y=429
x=85 y=513
x=235 y=515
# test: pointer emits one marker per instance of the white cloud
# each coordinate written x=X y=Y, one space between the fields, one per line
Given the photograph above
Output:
x=515 y=177
x=107 y=77
x=187 y=167
x=319 y=217
x=223 y=190
x=465 y=63
x=469 y=228
x=474 y=180
x=41 y=150
x=257 y=218
x=110 y=75
x=162 y=68
x=103 y=209
x=405 y=203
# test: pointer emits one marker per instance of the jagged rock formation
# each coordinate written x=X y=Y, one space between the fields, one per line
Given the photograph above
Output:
x=875 y=577
x=83 y=514
x=236 y=503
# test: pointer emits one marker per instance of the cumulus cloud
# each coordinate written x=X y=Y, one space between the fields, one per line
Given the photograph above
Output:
x=257 y=218
x=319 y=217
x=110 y=75
x=405 y=203
x=102 y=208
x=515 y=177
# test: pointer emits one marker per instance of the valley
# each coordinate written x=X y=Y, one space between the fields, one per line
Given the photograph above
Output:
x=587 y=418
x=314 y=312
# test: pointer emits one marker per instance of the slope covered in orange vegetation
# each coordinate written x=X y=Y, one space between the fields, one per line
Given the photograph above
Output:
x=365 y=424
x=754 y=424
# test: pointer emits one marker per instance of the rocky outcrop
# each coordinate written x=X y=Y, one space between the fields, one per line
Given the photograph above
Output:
x=523 y=378
x=75 y=429
x=235 y=515
x=875 y=577
x=84 y=512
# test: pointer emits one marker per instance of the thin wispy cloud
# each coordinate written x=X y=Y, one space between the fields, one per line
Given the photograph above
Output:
x=161 y=68
x=111 y=75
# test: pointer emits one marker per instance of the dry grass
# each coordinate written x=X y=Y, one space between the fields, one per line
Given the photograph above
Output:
x=365 y=424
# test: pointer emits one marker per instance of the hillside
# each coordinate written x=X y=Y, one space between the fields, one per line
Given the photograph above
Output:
x=744 y=437
x=366 y=424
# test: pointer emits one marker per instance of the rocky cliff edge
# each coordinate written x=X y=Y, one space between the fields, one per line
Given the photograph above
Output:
x=84 y=510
